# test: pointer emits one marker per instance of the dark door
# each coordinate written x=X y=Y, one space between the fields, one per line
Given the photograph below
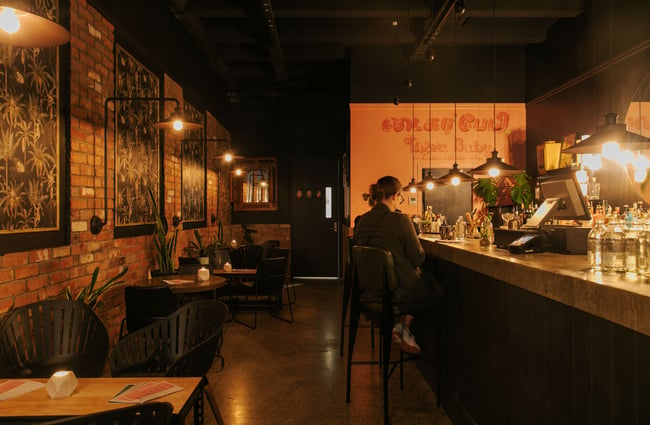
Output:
x=315 y=217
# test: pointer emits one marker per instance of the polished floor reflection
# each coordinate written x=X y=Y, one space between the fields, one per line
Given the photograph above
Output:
x=292 y=374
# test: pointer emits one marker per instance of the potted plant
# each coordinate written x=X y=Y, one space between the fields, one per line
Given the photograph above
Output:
x=487 y=190
x=521 y=192
x=165 y=246
x=91 y=293
x=247 y=238
x=197 y=249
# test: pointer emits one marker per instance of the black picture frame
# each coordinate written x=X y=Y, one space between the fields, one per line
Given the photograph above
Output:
x=193 y=172
x=138 y=144
x=34 y=169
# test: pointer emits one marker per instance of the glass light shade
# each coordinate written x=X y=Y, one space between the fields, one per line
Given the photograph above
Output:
x=454 y=176
x=177 y=122
x=494 y=167
x=428 y=183
x=411 y=187
x=611 y=131
x=19 y=28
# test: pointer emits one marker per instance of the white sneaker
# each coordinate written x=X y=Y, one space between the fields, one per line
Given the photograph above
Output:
x=397 y=332
x=408 y=343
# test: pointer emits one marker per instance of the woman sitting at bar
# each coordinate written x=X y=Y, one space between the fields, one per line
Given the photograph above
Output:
x=384 y=227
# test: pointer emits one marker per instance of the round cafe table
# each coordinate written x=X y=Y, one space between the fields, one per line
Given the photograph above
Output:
x=188 y=284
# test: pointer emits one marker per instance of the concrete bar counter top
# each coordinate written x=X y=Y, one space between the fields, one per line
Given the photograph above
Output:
x=624 y=300
x=535 y=338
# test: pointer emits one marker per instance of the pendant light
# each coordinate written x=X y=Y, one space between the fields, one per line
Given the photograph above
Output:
x=455 y=176
x=177 y=121
x=429 y=182
x=20 y=28
x=611 y=137
x=494 y=166
x=412 y=186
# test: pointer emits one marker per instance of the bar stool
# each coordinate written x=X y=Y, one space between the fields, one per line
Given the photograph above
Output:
x=373 y=281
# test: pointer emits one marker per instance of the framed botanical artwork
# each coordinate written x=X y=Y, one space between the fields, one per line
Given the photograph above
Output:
x=193 y=176
x=137 y=144
x=34 y=154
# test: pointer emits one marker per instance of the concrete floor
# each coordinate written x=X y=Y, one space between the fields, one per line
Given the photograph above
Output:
x=293 y=374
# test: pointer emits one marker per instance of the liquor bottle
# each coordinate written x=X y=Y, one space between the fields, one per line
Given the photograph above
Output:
x=631 y=237
x=595 y=245
x=614 y=246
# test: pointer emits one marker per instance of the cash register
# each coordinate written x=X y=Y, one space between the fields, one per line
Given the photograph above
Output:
x=563 y=200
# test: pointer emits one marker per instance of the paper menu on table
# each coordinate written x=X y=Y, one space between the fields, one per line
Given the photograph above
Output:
x=16 y=387
x=177 y=281
x=144 y=391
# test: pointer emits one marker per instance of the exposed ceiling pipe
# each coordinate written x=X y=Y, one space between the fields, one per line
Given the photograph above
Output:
x=431 y=31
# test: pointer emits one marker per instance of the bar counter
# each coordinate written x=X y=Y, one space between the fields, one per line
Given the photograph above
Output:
x=617 y=297
x=535 y=338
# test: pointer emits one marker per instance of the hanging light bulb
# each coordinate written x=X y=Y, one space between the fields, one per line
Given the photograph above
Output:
x=8 y=20
x=412 y=186
x=20 y=28
x=494 y=166
x=429 y=182
x=455 y=176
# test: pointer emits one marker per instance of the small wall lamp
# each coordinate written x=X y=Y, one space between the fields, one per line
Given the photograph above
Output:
x=20 y=28
x=175 y=121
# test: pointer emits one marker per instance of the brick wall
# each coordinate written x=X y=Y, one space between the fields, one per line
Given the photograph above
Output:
x=39 y=274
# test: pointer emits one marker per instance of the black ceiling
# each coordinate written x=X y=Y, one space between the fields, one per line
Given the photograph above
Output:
x=264 y=47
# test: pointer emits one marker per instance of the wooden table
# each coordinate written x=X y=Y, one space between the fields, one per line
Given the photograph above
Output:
x=194 y=286
x=238 y=273
x=237 y=276
x=92 y=395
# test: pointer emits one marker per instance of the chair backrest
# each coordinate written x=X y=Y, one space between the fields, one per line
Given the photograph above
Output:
x=187 y=260
x=219 y=257
x=154 y=349
x=246 y=256
x=189 y=268
x=40 y=338
x=147 y=304
x=151 y=413
x=271 y=274
x=373 y=271
x=268 y=245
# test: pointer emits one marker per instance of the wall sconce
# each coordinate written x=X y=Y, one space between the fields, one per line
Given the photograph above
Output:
x=175 y=122
x=20 y=28
x=61 y=384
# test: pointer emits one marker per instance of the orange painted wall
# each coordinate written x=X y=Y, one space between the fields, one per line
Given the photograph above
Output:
x=382 y=137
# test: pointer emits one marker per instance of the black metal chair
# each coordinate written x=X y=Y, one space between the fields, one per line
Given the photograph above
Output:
x=246 y=256
x=288 y=282
x=152 y=413
x=268 y=245
x=40 y=338
x=347 y=287
x=145 y=305
x=373 y=281
x=264 y=292
x=182 y=344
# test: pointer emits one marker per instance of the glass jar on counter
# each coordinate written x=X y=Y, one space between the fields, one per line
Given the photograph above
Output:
x=633 y=231
x=614 y=246
x=595 y=245
x=460 y=228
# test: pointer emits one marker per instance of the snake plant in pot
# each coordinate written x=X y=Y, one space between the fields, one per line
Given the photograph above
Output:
x=91 y=293
x=165 y=245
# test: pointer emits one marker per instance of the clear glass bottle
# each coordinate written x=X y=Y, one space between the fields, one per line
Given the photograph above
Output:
x=595 y=245
x=460 y=228
x=642 y=249
x=614 y=246
x=632 y=231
